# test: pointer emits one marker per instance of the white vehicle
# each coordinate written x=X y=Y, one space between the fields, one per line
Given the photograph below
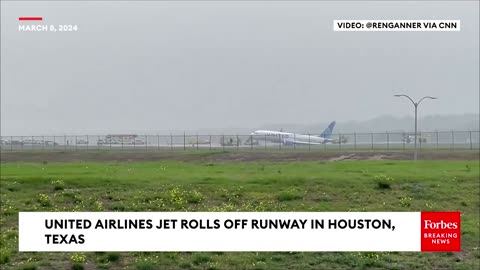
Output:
x=123 y=139
x=50 y=143
x=30 y=142
x=195 y=141
x=292 y=138
x=138 y=142
x=411 y=138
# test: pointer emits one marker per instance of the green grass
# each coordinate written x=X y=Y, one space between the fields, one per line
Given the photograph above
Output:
x=247 y=186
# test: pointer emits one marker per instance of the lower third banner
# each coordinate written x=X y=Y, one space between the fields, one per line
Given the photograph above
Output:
x=239 y=231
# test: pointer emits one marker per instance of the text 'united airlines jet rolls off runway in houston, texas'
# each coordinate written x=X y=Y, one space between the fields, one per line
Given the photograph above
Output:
x=292 y=138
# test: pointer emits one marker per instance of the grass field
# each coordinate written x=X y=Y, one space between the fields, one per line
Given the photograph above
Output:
x=383 y=185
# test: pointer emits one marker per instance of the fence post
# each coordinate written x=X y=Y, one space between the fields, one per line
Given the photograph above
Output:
x=11 y=143
x=324 y=145
x=355 y=141
x=436 y=136
x=43 y=143
x=453 y=140
x=171 y=142
x=75 y=143
x=403 y=140
x=251 y=142
x=420 y=142
x=471 y=145
x=158 y=142
x=238 y=143
x=65 y=143
x=308 y=142
x=54 y=142
x=294 y=141
x=184 y=138
x=372 y=140
x=210 y=142
x=223 y=142
x=21 y=142
x=88 y=142
x=339 y=142
x=265 y=142
x=279 y=142
x=146 y=143
x=388 y=141
x=197 y=141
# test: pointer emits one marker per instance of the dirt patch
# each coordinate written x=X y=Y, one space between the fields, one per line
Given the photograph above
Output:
x=360 y=157
x=345 y=157
x=232 y=156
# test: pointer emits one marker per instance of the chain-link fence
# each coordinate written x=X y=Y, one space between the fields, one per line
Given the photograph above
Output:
x=387 y=141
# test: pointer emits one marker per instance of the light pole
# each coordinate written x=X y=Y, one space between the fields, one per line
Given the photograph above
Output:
x=415 y=104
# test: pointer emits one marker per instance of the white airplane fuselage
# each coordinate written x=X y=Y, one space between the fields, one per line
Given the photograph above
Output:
x=287 y=138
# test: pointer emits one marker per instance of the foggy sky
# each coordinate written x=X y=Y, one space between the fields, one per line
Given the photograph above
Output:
x=165 y=66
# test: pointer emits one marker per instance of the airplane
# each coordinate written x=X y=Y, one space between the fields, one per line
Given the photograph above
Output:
x=292 y=138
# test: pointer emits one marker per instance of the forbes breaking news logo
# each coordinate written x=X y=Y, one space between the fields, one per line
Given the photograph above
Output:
x=440 y=231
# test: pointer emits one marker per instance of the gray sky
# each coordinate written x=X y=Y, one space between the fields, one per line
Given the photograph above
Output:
x=163 y=66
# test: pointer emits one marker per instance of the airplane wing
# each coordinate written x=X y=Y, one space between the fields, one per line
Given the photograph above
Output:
x=292 y=142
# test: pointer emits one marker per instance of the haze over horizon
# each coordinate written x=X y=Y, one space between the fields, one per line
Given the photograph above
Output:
x=380 y=124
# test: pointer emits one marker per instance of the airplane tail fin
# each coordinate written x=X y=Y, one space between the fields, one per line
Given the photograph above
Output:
x=327 y=133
